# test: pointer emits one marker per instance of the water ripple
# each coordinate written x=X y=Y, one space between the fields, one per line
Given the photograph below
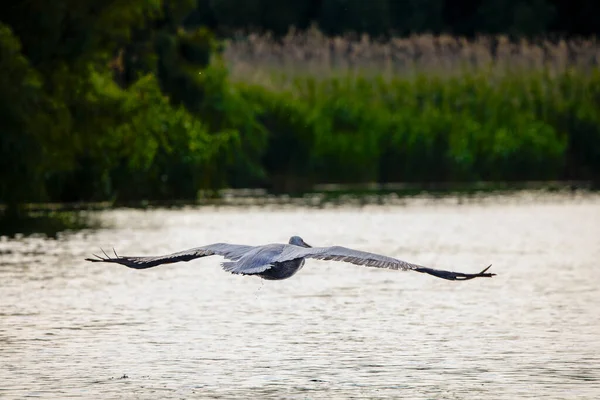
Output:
x=74 y=329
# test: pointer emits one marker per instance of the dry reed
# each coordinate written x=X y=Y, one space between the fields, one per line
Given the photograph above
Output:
x=262 y=58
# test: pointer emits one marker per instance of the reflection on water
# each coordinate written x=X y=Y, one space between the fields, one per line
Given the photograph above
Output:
x=48 y=223
x=76 y=329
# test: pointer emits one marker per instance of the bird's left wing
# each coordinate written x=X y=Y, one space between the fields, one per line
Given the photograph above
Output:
x=339 y=253
x=229 y=251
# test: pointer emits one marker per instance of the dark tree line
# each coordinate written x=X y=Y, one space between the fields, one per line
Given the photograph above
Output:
x=402 y=17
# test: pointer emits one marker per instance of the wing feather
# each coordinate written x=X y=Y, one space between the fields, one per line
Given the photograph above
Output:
x=339 y=253
x=229 y=251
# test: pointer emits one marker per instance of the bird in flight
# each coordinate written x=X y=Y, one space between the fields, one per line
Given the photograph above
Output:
x=278 y=261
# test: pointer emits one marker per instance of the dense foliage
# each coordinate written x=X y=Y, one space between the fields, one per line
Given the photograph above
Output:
x=470 y=127
x=117 y=101
x=113 y=99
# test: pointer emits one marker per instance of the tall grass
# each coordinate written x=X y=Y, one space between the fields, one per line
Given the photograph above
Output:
x=261 y=58
x=423 y=109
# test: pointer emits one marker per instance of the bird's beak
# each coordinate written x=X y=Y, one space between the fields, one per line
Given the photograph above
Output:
x=305 y=244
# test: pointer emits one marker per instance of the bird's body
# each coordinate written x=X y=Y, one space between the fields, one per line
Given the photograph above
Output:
x=260 y=260
x=279 y=261
x=283 y=270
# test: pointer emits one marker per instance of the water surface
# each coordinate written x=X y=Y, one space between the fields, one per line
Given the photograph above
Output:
x=75 y=329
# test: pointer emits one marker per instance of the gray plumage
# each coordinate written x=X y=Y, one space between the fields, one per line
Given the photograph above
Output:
x=280 y=261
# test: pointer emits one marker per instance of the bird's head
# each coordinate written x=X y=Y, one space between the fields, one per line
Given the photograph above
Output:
x=297 y=241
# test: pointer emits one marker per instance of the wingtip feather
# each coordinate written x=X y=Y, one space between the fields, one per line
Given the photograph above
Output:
x=488 y=267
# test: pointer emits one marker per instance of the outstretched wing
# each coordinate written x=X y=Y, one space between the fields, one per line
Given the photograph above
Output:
x=339 y=253
x=229 y=251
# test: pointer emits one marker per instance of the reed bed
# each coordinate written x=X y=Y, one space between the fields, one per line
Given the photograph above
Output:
x=266 y=60
x=421 y=109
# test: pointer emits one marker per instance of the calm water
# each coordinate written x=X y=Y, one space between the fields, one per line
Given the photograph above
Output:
x=75 y=329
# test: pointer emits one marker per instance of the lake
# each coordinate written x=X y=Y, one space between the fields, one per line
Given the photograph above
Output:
x=70 y=328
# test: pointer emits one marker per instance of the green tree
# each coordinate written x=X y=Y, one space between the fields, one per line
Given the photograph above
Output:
x=59 y=106
x=23 y=119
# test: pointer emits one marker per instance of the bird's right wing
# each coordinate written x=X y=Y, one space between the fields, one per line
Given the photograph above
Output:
x=229 y=251
x=339 y=253
x=357 y=257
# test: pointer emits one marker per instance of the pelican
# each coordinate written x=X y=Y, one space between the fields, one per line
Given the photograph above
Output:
x=279 y=261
